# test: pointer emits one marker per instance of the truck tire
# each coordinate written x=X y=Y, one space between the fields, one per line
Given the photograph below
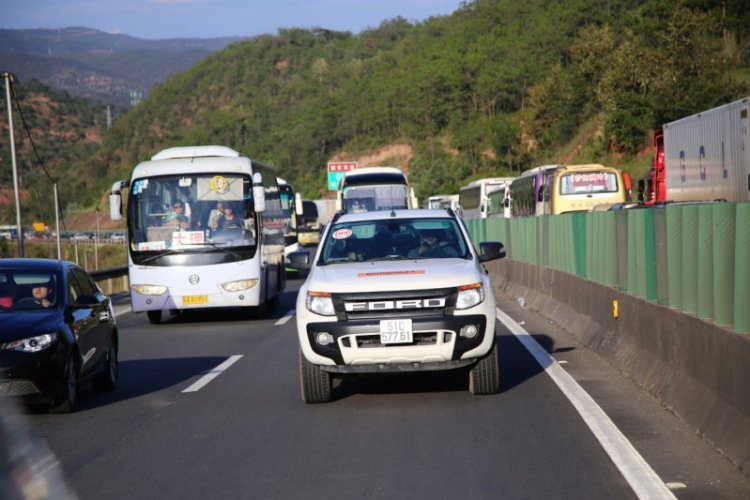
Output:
x=154 y=317
x=484 y=377
x=315 y=383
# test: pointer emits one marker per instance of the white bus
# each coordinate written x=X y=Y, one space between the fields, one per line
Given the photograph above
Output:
x=291 y=208
x=205 y=229
x=473 y=198
x=441 y=201
x=375 y=188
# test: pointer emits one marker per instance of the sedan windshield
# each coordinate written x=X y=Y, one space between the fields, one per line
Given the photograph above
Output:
x=389 y=239
x=27 y=290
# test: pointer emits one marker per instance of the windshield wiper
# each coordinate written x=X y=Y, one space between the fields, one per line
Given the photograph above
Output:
x=390 y=257
x=214 y=245
x=163 y=254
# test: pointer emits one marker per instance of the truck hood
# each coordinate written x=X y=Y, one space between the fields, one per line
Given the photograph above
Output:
x=389 y=275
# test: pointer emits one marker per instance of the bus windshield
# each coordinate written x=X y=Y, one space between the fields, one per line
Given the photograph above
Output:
x=367 y=198
x=184 y=212
x=588 y=182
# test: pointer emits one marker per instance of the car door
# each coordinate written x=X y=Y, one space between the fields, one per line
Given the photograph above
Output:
x=89 y=328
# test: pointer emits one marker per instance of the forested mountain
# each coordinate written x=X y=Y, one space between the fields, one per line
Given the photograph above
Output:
x=99 y=65
x=66 y=132
x=493 y=89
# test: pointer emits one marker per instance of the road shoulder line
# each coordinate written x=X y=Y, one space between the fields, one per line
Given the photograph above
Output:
x=637 y=472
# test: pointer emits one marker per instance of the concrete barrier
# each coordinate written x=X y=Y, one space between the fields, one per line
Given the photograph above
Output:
x=695 y=368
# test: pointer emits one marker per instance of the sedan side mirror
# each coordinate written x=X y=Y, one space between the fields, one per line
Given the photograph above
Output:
x=86 y=300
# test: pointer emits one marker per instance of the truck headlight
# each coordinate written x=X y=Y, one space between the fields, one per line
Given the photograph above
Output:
x=470 y=296
x=238 y=286
x=320 y=303
x=150 y=289
x=32 y=344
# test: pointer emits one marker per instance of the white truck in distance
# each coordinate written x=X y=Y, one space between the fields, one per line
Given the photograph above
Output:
x=396 y=291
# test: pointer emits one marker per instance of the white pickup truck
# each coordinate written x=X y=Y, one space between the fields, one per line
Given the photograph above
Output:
x=396 y=291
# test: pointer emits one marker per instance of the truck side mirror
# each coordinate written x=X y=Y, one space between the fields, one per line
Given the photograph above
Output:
x=641 y=190
x=259 y=193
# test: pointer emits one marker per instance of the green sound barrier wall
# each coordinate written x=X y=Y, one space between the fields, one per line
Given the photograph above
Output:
x=689 y=257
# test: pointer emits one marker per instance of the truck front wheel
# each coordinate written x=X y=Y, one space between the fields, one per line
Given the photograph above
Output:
x=316 y=384
x=484 y=377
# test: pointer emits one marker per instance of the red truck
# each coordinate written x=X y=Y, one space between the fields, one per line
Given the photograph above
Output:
x=702 y=157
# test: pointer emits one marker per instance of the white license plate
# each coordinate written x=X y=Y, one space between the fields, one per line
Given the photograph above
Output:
x=396 y=331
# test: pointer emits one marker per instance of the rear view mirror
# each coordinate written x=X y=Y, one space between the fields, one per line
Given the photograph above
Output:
x=259 y=193
x=298 y=203
x=115 y=206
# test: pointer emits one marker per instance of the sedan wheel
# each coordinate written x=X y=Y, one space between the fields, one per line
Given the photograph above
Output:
x=107 y=380
x=67 y=403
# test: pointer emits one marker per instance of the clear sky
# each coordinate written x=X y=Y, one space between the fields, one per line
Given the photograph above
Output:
x=158 y=19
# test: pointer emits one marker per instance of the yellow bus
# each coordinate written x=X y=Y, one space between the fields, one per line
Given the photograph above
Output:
x=577 y=188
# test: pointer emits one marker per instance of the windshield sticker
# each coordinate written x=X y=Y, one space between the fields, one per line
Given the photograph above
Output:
x=389 y=273
x=187 y=238
x=219 y=184
x=152 y=245
x=342 y=234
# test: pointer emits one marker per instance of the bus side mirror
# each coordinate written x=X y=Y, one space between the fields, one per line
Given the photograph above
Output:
x=541 y=194
x=259 y=193
x=339 y=204
x=115 y=206
x=298 y=203
x=413 y=198
x=115 y=200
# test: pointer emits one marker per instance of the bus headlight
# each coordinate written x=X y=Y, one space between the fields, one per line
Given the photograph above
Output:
x=320 y=303
x=238 y=286
x=150 y=289
x=470 y=296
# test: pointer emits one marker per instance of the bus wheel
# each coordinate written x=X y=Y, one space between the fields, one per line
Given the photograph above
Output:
x=154 y=317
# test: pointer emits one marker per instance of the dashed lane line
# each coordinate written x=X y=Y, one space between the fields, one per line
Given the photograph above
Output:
x=208 y=377
x=289 y=315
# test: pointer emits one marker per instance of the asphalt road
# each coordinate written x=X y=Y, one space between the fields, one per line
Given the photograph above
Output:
x=241 y=430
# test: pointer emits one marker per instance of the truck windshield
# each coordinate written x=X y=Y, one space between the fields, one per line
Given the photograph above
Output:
x=188 y=212
x=389 y=239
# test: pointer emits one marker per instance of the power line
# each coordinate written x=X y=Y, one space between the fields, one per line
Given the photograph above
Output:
x=36 y=152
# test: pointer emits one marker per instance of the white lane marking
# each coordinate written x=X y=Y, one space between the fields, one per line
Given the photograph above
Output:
x=208 y=377
x=639 y=475
x=289 y=315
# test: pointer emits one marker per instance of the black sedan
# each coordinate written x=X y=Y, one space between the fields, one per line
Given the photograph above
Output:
x=57 y=330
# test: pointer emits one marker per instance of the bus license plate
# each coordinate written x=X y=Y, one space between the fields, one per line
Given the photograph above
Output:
x=396 y=331
x=192 y=300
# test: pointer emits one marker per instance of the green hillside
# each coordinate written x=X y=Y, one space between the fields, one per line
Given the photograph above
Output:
x=493 y=89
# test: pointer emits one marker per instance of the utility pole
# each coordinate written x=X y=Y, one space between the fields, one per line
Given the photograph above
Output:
x=8 y=77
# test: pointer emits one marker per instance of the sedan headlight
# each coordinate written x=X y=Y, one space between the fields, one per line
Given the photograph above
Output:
x=150 y=289
x=32 y=344
x=320 y=303
x=470 y=296
x=238 y=286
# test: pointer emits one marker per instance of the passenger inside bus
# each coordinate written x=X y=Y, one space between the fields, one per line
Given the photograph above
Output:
x=177 y=218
